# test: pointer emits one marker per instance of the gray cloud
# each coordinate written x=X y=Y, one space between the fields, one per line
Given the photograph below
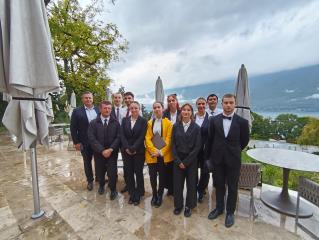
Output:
x=189 y=42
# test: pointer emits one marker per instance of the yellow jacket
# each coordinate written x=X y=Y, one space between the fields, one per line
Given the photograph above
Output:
x=167 y=128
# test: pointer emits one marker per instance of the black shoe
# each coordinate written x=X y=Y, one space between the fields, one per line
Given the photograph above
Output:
x=178 y=211
x=187 y=212
x=214 y=214
x=113 y=195
x=130 y=201
x=137 y=201
x=159 y=201
x=101 y=190
x=90 y=186
x=229 y=220
x=124 y=189
x=200 y=197
x=154 y=200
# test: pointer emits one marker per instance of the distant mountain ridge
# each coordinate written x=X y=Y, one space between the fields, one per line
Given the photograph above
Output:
x=285 y=91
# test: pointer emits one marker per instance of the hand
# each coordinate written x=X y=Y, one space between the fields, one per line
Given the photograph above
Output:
x=128 y=151
x=182 y=166
x=77 y=146
x=156 y=154
x=107 y=152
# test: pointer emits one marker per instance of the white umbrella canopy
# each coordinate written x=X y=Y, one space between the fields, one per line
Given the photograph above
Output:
x=243 y=96
x=72 y=103
x=27 y=68
x=159 y=90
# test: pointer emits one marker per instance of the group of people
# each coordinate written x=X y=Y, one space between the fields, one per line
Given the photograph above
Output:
x=174 y=143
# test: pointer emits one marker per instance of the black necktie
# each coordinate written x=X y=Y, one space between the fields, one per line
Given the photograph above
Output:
x=105 y=122
x=128 y=112
x=118 y=114
x=225 y=117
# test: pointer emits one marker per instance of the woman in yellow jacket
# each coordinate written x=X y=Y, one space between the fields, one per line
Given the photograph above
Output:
x=156 y=159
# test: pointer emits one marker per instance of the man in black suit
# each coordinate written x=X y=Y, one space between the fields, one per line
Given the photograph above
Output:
x=80 y=119
x=104 y=137
x=228 y=136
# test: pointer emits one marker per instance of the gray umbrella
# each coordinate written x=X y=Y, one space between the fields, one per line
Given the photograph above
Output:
x=159 y=90
x=242 y=95
x=27 y=72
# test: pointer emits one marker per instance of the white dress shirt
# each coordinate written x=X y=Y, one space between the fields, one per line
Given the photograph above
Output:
x=122 y=113
x=173 y=117
x=186 y=126
x=90 y=113
x=214 y=113
x=133 y=121
x=199 y=119
x=157 y=126
x=227 y=123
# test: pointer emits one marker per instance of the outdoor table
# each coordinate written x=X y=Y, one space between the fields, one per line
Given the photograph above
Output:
x=288 y=160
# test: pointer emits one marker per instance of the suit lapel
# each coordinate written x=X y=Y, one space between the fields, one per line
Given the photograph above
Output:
x=219 y=123
x=232 y=125
x=84 y=113
x=136 y=125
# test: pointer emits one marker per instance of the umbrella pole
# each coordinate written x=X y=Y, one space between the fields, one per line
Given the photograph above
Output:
x=35 y=186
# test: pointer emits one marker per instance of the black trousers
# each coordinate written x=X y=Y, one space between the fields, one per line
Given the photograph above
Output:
x=109 y=166
x=222 y=175
x=154 y=170
x=190 y=175
x=87 y=155
x=134 y=174
x=124 y=168
x=203 y=180
x=169 y=178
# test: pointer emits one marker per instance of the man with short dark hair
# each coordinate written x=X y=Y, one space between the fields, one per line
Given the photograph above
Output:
x=228 y=136
x=104 y=137
x=80 y=119
x=212 y=101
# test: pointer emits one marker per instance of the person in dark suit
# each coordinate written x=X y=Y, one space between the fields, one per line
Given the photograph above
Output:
x=80 y=119
x=228 y=136
x=202 y=120
x=133 y=130
x=186 y=143
x=104 y=137
x=172 y=113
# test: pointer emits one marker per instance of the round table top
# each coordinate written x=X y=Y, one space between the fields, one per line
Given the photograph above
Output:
x=286 y=158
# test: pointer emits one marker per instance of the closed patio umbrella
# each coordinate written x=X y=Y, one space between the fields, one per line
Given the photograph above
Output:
x=243 y=96
x=27 y=72
x=159 y=90
x=72 y=103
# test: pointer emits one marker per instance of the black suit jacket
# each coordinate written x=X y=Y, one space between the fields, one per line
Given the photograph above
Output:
x=228 y=149
x=167 y=114
x=133 y=139
x=185 y=146
x=79 y=125
x=103 y=137
x=204 y=138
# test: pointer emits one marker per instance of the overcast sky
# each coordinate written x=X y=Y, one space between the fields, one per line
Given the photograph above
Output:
x=188 y=42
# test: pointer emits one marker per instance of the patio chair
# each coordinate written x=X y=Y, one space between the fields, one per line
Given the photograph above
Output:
x=249 y=178
x=308 y=190
x=55 y=132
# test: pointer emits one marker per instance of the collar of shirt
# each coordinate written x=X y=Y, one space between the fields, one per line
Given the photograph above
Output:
x=89 y=109
x=103 y=118
x=230 y=115
x=186 y=124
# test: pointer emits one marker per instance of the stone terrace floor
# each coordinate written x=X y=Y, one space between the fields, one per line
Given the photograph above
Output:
x=71 y=212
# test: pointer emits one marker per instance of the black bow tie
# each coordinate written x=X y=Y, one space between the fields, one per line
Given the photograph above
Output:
x=225 y=117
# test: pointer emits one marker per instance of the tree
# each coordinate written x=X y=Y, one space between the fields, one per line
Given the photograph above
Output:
x=84 y=47
x=310 y=133
x=289 y=126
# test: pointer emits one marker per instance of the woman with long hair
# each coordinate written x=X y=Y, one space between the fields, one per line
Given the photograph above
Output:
x=186 y=143
x=172 y=113
x=201 y=119
x=133 y=129
x=156 y=156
